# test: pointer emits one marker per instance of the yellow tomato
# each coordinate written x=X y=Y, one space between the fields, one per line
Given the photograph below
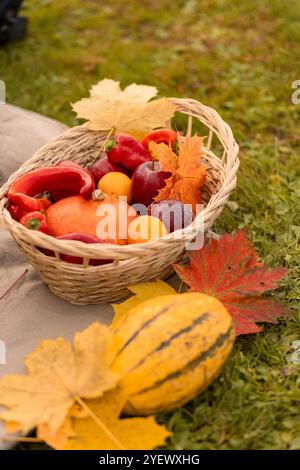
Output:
x=116 y=184
x=145 y=228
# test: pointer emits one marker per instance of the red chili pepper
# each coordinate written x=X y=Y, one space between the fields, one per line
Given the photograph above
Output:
x=127 y=151
x=35 y=221
x=160 y=136
x=71 y=179
x=15 y=211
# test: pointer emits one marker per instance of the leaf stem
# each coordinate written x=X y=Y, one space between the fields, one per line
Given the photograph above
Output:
x=99 y=422
x=111 y=132
x=21 y=439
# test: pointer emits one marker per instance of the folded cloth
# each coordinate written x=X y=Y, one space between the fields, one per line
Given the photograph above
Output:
x=29 y=312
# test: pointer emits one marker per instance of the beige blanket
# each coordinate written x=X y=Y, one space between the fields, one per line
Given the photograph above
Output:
x=29 y=312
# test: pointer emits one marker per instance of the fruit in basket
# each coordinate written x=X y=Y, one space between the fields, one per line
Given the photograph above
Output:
x=29 y=189
x=145 y=228
x=106 y=219
x=104 y=166
x=174 y=214
x=81 y=237
x=126 y=151
x=160 y=136
x=169 y=349
x=116 y=184
x=147 y=180
x=35 y=221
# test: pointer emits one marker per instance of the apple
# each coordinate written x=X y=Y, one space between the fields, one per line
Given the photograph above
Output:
x=147 y=180
x=103 y=166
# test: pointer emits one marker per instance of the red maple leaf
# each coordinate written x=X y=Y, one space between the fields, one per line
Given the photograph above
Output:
x=229 y=270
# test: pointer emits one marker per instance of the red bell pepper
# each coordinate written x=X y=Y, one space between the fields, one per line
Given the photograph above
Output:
x=15 y=211
x=160 y=136
x=35 y=221
x=127 y=151
x=26 y=190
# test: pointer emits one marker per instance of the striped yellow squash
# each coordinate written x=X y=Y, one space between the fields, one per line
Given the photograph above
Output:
x=169 y=349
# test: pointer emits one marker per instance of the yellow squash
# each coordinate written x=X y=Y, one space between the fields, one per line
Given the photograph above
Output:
x=169 y=349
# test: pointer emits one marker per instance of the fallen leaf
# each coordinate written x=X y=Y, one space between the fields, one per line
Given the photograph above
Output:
x=228 y=269
x=65 y=431
x=106 y=431
x=58 y=439
x=12 y=427
x=142 y=291
x=57 y=375
x=188 y=174
x=129 y=111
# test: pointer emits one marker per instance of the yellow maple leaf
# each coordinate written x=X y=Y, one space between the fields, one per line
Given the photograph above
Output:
x=109 y=90
x=58 y=376
x=142 y=291
x=12 y=427
x=58 y=439
x=129 y=111
x=187 y=173
x=104 y=430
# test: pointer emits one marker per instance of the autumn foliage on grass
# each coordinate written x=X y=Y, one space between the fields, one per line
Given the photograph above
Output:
x=229 y=269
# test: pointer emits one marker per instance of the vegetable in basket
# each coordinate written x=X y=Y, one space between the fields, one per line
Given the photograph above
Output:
x=105 y=218
x=28 y=191
x=15 y=211
x=160 y=136
x=35 y=221
x=116 y=184
x=127 y=151
x=81 y=237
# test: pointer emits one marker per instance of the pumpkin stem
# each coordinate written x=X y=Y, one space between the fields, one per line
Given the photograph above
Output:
x=98 y=195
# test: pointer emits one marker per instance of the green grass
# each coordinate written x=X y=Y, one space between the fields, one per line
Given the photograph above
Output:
x=240 y=58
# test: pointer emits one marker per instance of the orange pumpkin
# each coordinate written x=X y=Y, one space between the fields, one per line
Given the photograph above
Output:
x=107 y=219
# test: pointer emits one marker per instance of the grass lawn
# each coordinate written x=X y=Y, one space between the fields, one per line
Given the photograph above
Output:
x=240 y=58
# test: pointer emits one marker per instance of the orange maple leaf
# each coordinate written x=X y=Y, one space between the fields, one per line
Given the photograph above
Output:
x=187 y=173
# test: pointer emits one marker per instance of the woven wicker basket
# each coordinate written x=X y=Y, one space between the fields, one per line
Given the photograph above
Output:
x=84 y=284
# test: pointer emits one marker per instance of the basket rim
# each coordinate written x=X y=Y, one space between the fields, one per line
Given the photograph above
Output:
x=107 y=250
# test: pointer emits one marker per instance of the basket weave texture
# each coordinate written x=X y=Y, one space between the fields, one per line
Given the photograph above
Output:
x=84 y=284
